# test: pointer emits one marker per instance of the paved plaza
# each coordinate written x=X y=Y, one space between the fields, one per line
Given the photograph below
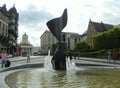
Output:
x=22 y=61
x=17 y=61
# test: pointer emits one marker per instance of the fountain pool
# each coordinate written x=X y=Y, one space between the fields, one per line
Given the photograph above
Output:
x=80 y=78
x=73 y=77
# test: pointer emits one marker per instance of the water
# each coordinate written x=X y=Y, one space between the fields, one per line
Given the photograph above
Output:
x=47 y=62
x=82 y=78
x=70 y=64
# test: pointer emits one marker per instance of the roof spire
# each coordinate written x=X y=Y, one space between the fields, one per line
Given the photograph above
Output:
x=14 y=5
x=4 y=5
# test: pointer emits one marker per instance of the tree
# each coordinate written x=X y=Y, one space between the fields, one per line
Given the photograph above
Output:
x=82 y=46
x=54 y=46
x=107 y=40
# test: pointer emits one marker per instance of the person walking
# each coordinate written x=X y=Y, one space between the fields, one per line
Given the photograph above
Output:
x=28 y=57
x=109 y=55
x=119 y=54
x=3 y=59
x=114 y=55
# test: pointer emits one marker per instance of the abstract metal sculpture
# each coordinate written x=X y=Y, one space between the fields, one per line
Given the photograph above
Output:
x=56 y=26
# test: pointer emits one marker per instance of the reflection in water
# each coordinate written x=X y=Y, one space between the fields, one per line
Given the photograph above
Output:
x=84 y=78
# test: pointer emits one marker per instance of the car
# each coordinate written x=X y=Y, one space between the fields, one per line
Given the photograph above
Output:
x=9 y=56
x=35 y=54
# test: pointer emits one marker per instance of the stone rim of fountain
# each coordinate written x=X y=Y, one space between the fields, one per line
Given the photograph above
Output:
x=41 y=65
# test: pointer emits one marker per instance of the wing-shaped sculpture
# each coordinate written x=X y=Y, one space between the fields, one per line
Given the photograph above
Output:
x=56 y=26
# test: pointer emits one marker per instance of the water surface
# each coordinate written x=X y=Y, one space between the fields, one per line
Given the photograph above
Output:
x=82 y=78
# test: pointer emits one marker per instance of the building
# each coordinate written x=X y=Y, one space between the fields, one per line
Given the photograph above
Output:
x=84 y=35
x=93 y=29
x=8 y=29
x=36 y=50
x=71 y=38
x=25 y=46
x=47 y=39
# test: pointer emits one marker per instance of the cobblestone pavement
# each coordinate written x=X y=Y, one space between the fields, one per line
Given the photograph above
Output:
x=18 y=61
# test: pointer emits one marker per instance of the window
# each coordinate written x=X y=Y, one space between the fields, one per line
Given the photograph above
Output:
x=0 y=27
x=12 y=27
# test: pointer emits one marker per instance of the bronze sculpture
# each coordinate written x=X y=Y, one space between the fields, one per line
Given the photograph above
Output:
x=56 y=26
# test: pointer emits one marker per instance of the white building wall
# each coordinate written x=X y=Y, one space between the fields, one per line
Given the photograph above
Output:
x=47 y=39
x=72 y=43
x=35 y=49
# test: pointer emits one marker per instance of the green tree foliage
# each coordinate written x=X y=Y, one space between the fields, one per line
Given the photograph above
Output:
x=107 y=40
x=82 y=46
x=54 y=46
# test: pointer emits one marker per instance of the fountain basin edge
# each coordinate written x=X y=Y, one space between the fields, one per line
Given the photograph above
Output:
x=37 y=65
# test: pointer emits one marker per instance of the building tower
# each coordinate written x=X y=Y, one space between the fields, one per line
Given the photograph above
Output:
x=4 y=21
x=25 y=45
x=13 y=29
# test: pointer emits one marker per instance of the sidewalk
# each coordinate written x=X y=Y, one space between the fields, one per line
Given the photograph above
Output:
x=100 y=60
x=20 y=58
x=17 y=61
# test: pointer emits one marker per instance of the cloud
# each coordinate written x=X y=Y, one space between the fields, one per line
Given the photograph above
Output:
x=32 y=16
x=111 y=11
x=33 y=22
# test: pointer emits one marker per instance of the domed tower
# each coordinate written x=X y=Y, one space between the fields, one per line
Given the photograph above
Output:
x=25 y=39
x=25 y=45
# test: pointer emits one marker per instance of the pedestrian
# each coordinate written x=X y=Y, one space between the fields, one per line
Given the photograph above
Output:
x=3 y=59
x=69 y=55
x=119 y=54
x=114 y=55
x=109 y=55
x=28 y=57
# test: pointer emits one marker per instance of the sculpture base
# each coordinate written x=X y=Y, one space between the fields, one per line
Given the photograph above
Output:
x=59 y=65
x=59 y=60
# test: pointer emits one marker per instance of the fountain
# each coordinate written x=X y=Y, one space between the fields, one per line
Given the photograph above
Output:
x=47 y=62
x=70 y=64
x=58 y=60
x=56 y=26
x=73 y=78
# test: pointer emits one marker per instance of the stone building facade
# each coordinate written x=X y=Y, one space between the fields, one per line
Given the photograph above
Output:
x=93 y=29
x=25 y=46
x=8 y=29
x=47 y=39
x=71 y=38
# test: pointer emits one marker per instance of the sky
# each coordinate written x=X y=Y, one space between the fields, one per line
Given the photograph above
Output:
x=34 y=14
